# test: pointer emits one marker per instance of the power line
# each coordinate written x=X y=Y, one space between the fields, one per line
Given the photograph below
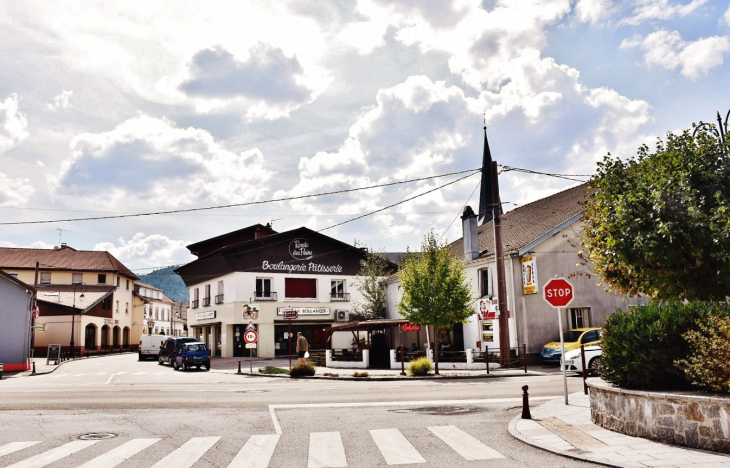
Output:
x=188 y=210
x=559 y=176
x=462 y=209
x=400 y=202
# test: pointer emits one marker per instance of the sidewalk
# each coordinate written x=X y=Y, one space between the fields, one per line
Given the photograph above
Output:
x=568 y=431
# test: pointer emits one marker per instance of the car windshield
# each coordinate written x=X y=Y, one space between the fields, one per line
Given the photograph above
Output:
x=197 y=347
x=572 y=336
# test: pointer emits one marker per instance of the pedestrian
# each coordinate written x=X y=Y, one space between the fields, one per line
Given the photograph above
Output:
x=302 y=348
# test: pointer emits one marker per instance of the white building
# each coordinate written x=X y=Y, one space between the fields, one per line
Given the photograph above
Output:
x=160 y=314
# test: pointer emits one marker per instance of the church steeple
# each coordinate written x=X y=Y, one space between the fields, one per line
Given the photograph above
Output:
x=485 y=192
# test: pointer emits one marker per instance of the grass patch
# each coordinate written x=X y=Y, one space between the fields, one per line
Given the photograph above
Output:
x=273 y=370
x=360 y=374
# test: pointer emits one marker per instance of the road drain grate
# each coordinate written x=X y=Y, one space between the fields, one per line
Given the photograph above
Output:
x=97 y=436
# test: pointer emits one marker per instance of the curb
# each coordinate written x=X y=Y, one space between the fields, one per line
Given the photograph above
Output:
x=67 y=361
x=383 y=379
x=512 y=428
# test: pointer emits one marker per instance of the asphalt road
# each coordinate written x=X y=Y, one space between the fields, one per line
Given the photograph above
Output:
x=159 y=417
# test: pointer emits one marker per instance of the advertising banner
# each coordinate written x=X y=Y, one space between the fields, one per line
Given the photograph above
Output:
x=529 y=275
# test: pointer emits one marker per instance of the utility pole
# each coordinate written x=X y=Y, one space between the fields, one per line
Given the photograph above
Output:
x=499 y=258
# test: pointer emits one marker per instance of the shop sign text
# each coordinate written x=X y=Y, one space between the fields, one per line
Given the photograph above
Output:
x=304 y=310
x=205 y=315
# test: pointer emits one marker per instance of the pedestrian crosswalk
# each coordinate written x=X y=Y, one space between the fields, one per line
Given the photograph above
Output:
x=326 y=449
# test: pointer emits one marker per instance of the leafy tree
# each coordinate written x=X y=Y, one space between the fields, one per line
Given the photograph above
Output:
x=435 y=290
x=371 y=283
x=660 y=224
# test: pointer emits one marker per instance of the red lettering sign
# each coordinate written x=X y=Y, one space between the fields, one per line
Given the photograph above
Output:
x=406 y=327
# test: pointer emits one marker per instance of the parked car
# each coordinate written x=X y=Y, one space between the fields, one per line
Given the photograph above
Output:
x=170 y=349
x=573 y=339
x=149 y=345
x=574 y=363
x=189 y=355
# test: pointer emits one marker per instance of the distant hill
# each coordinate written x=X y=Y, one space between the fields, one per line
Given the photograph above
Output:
x=170 y=283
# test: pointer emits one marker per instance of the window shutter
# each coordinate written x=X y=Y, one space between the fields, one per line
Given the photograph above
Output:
x=300 y=287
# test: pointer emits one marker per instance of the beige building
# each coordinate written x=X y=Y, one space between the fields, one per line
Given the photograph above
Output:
x=159 y=314
x=85 y=298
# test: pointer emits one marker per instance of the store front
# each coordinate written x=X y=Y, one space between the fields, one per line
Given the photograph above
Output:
x=210 y=334
x=313 y=332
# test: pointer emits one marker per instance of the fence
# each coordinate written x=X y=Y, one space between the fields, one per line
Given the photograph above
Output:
x=517 y=358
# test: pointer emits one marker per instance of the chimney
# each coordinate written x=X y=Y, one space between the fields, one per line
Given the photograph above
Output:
x=257 y=234
x=471 y=236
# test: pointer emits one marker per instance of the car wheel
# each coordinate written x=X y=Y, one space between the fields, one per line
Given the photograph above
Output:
x=170 y=362
x=159 y=360
x=175 y=366
x=207 y=367
x=139 y=356
x=595 y=364
x=185 y=367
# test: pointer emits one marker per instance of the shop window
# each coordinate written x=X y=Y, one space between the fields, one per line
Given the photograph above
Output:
x=300 y=288
x=484 y=289
x=76 y=278
x=45 y=277
x=580 y=317
x=101 y=278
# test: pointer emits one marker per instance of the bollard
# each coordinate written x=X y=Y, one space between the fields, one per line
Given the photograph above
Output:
x=525 y=403
x=34 y=367
x=239 y=366
x=1 y=370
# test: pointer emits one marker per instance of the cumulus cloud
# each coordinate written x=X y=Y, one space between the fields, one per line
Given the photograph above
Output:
x=727 y=16
x=646 y=10
x=14 y=192
x=593 y=11
x=142 y=250
x=32 y=245
x=13 y=124
x=62 y=101
x=668 y=50
x=267 y=82
x=148 y=161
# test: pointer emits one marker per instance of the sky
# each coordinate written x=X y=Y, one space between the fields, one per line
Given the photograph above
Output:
x=133 y=107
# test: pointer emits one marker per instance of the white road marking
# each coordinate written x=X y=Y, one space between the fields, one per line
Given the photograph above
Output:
x=395 y=447
x=277 y=427
x=59 y=375
x=112 y=376
x=464 y=444
x=140 y=373
x=159 y=373
x=188 y=453
x=326 y=450
x=257 y=452
x=15 y=446
x=79 y=375
x=101 y=373
x=46 y=458
x=119 y=454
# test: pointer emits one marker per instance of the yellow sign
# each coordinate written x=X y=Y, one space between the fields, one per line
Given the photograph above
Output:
x=529 y=275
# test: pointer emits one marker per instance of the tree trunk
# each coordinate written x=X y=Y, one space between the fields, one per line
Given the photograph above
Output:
x=436 y=348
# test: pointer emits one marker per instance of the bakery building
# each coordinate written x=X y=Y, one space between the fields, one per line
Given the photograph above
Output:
x=253 y=275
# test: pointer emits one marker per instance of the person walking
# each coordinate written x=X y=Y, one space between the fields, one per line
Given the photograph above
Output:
x=302 y=347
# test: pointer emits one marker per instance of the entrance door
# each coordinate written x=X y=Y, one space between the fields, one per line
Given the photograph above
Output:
x=90 y=337
x=238 y=331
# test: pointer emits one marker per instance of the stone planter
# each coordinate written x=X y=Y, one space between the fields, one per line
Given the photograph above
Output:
x=681 y=418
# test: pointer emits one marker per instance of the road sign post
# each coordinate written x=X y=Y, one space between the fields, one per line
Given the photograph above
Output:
x=250 y=337
x=558 y=292
x=290 y=315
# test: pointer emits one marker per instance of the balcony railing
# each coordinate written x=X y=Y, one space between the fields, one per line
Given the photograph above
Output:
x=219 y=299
x=194 y=304
x=265 y=296
x=206 y=301
x=340 y=297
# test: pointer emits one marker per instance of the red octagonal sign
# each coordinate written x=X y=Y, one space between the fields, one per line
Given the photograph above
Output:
x=558 y=292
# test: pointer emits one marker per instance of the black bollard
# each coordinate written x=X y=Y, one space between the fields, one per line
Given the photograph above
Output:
x=239 y=366
x=34 y=367
x=525 y=404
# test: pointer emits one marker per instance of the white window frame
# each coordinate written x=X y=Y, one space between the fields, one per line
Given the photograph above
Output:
x=582 y=313
x=77 y=278
x=45 y=277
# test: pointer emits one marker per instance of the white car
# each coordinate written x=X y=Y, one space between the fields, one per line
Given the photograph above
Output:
x=574 y=363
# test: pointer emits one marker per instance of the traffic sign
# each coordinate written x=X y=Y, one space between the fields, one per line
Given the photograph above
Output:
x=250 y=345
x=291 y=314
x=558 y=292
x=250 y=326
x=250 y=336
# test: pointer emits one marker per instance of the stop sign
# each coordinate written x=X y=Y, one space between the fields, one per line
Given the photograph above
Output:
x=558 y=292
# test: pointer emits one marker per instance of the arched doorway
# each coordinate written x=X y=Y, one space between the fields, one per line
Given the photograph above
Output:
x=115 y=337
x=105 y=337
x=125 y=337
x=90 y=337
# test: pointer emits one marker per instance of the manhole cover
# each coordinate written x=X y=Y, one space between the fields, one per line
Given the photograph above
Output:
x=97 y=436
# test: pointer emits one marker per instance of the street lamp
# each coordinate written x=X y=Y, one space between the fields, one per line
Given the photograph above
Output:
x=73 y=318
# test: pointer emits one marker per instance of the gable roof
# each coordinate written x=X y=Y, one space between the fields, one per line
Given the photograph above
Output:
x=527 y=225
x=249 y=233
x=63 y=258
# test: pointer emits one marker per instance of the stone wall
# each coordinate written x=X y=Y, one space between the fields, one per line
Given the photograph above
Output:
x=679 y=418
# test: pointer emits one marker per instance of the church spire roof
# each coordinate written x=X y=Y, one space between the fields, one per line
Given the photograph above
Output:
x=485 y=192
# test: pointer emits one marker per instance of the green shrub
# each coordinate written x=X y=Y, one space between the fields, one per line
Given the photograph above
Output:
x=305 y=369
x=708 y=364
x=360 y=374
x=273 y=370
x=419 y=367
x=640 y=346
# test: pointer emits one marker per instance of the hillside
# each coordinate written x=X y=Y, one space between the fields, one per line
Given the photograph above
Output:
x=169 y=282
